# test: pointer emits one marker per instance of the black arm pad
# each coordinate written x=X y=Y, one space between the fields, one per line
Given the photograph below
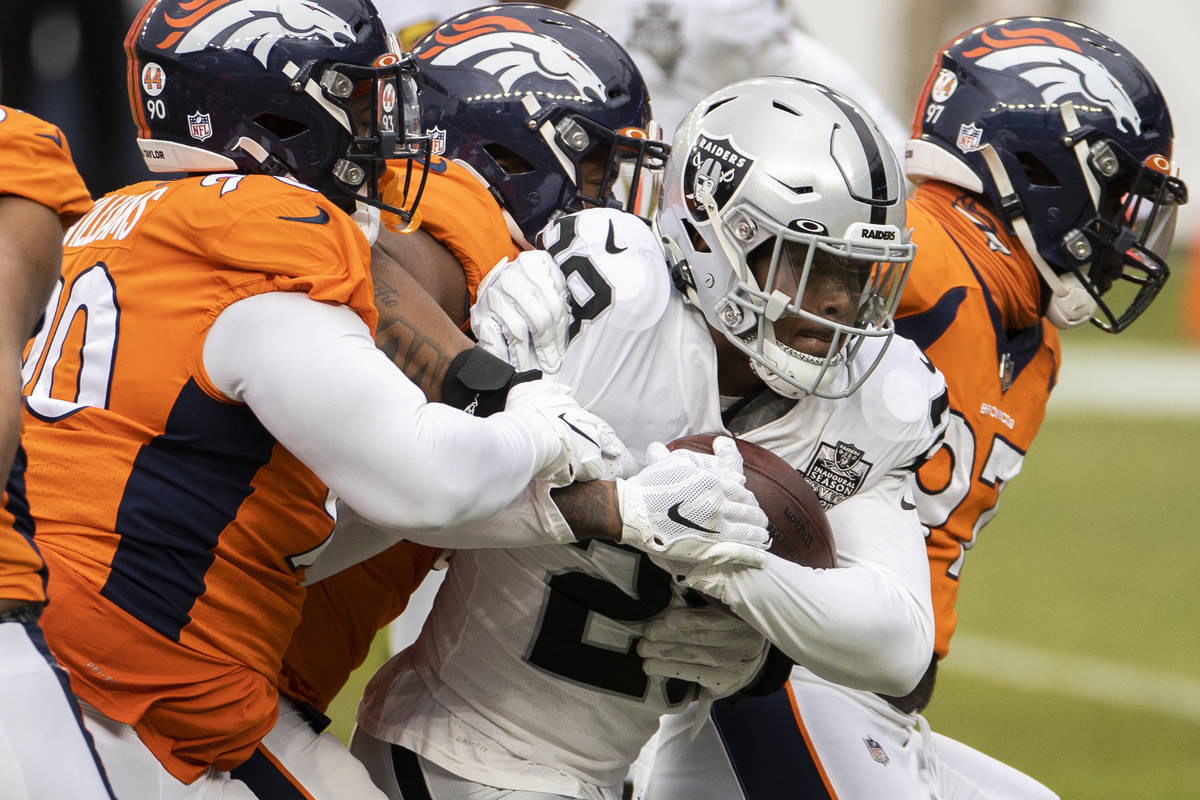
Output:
x=478 y=382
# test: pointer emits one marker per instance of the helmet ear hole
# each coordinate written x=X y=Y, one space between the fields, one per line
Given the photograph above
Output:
x=697 y=241
x=283 y=127
x=511 y=162
x=1037 y=172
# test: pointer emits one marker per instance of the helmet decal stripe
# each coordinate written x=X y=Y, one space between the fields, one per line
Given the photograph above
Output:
x=196 y=10
x=472 y=28
x=880 y=195
x=1022 y=37
x=133 y=70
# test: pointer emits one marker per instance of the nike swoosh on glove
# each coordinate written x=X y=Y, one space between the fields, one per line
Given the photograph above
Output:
x=686 y=507
x=586 y=447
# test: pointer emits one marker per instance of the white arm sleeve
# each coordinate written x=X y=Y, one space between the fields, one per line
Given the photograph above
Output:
x=312 y=375
x=531 y=519
x=867 y=624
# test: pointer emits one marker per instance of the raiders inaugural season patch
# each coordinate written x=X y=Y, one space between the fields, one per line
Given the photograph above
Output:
x=836 y=472
x=714 y=166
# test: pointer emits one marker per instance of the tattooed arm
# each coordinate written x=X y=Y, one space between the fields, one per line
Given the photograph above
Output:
x=417 y=318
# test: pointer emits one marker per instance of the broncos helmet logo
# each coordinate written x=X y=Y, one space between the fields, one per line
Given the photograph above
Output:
x=252 y=25
x=509 y=50
x=1056 y=66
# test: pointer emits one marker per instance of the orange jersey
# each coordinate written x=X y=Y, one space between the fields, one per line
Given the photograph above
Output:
x=35 y=163
x=999 y=384
x=459 y=211
x=344 y=612
x=173 y=524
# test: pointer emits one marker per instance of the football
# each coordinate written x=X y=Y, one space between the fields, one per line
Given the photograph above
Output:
x=799 y=529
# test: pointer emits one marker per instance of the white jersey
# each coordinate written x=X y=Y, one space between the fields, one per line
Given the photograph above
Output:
x=526 y=674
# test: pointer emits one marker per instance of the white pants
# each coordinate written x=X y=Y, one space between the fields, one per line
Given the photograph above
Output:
x=44 y=750
x=291 y=757
x=838 y=742
x=395 y=769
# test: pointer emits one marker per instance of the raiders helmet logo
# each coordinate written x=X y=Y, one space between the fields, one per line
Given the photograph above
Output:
x=1057 y=67
x=714 y=167
x=509 y=51
x=251 y=25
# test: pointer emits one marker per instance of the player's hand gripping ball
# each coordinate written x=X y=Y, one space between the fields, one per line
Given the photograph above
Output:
x=799 y=528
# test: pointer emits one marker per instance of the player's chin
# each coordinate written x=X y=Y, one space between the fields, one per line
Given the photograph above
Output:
x=807 y=339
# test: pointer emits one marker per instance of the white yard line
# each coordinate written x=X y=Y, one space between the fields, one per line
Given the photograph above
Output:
x=1095 y=679
x=1127 y=381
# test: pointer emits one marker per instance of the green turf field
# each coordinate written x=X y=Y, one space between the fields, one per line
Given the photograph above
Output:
x=1093 y=561
x=1079 y=660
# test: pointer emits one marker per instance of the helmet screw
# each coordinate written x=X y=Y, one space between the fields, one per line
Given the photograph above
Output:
x=1078 y=245
x=531 y=123
x=744 y=229
x=1053 y=214
x=1104 y=159
x=533 y=198
x=731 y=315
x=348 y=173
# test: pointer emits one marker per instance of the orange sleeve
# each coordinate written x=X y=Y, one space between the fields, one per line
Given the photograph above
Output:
x=35 y=162
x=458 y=211
x=321 y=251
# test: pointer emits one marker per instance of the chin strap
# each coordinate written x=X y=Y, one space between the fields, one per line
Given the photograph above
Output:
x=1070 y=303
x=269 y=164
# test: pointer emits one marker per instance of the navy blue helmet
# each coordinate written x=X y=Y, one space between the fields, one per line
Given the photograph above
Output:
x=547 y=108
x=311 y=89
x=1069 y=137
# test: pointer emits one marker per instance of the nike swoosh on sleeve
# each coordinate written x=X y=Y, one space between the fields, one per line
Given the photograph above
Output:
x=679 y=519
x=54 y=137
x=611 y=244
x=907 y=504
x=320 y=218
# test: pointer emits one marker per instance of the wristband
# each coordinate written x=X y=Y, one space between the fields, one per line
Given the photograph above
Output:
x=478 y=382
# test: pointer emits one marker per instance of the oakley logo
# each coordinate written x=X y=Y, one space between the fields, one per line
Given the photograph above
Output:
x=252 y=25
x=509 y=51
x=1056 y=66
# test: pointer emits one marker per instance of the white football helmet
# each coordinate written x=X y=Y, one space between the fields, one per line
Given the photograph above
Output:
x=777 y=187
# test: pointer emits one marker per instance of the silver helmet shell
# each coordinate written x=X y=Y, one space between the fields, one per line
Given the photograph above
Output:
x=790 y=165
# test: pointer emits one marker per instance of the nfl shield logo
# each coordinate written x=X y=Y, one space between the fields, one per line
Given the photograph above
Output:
x=969 y=137
x=876 y=751
x=200 y=126
x=437 y=140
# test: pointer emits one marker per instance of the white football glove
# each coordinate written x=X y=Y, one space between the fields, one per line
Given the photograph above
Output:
x=522 y=314
x=586 y=447
x=705 y=645
x=686 y=507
